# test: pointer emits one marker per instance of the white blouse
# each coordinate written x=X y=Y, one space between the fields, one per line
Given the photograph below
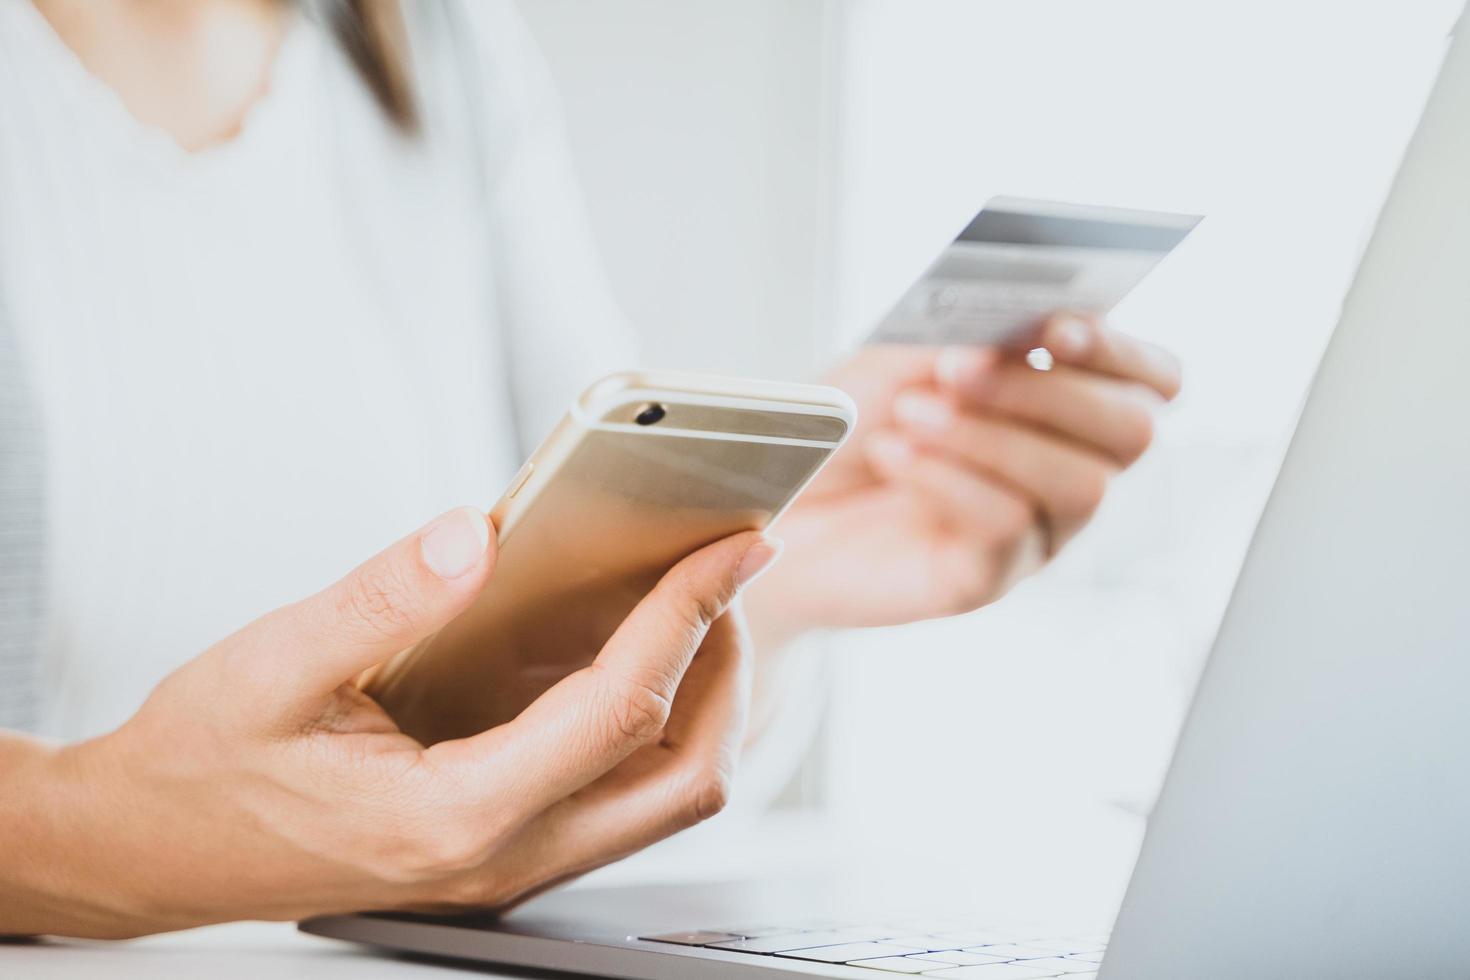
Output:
x=257 y=364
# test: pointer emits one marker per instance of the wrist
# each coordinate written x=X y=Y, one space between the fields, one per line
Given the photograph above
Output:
x=30 y=886
x=64 y=833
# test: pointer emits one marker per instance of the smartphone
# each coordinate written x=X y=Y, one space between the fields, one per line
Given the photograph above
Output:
x=645 y=469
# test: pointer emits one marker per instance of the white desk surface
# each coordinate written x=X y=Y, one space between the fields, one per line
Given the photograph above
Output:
x=255 y=950
x=1074 y=868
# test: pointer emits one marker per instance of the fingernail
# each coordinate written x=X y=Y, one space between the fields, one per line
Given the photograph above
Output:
x=1070 y=337
x=1040 y=359
x=890 y=451
x=456 y=542
x=757 y=558
x=959 y=367
x=923 y=411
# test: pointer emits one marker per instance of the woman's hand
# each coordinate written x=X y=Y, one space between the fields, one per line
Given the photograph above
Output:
x=968 y=470
x=258 y=782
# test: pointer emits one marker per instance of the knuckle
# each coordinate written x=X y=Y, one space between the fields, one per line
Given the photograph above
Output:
x=707 y=793
x=1015 y=519
x=1006 y=387
x=968 y=593
x=700 y=607
x=967 y=587
x=1088 y=488
x=1097 y=333
x=711 y=795
x=378 y=601
x=708 y=609
x=639 y=710
x=1172 y=371
x=1161 y=367
x=1135 y=432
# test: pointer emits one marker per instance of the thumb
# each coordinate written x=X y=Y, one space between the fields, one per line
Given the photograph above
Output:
x=383 y=606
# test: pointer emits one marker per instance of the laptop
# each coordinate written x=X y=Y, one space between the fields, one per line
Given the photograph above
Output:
x=1315 y=821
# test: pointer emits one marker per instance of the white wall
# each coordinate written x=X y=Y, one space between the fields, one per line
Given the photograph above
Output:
x=1281 y=121
x=696 y=127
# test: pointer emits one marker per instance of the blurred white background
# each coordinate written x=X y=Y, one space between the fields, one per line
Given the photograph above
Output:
x=765 y=177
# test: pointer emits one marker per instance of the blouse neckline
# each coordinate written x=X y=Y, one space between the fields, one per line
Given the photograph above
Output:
x=106 y=113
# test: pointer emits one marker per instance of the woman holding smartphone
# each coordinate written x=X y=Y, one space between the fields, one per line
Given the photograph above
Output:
x=278 y=280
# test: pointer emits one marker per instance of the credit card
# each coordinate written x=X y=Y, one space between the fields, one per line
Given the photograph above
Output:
x=1020 y=260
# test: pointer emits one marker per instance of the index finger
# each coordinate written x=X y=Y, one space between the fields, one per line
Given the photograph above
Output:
x=1082 y=341
x=595 y=718
x=659 y=791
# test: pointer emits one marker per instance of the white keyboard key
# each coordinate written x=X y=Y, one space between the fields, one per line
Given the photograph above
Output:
x=927 y=942
x=990 y=971
x=1011 y=951
x=849 y=952
x=793 y=940
x=818 y=923
x=1088 y=957
x=964 y=957
x=1059 y=965
x=1089 y=942
x=930 y=926
x=900 y=964
x=965 y=938
x=1065 y=946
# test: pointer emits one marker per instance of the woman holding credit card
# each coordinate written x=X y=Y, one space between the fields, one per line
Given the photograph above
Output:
x=969 y=470
x=278 y=281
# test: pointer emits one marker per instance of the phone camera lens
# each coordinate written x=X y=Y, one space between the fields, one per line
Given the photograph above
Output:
x=649 y=414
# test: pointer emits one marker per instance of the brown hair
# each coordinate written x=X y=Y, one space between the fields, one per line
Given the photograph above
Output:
x=372 y=34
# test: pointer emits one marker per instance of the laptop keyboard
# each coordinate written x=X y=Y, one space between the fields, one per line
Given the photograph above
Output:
x=916 y=948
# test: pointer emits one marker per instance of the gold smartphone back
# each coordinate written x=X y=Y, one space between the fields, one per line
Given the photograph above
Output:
x=645 y=469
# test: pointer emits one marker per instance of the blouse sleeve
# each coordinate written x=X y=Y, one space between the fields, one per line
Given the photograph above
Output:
x=562 y=325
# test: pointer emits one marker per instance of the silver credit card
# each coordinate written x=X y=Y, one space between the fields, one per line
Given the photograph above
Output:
x=1019 y=260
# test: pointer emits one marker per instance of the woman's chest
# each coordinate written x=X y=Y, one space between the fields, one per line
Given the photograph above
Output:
x=245 y=387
